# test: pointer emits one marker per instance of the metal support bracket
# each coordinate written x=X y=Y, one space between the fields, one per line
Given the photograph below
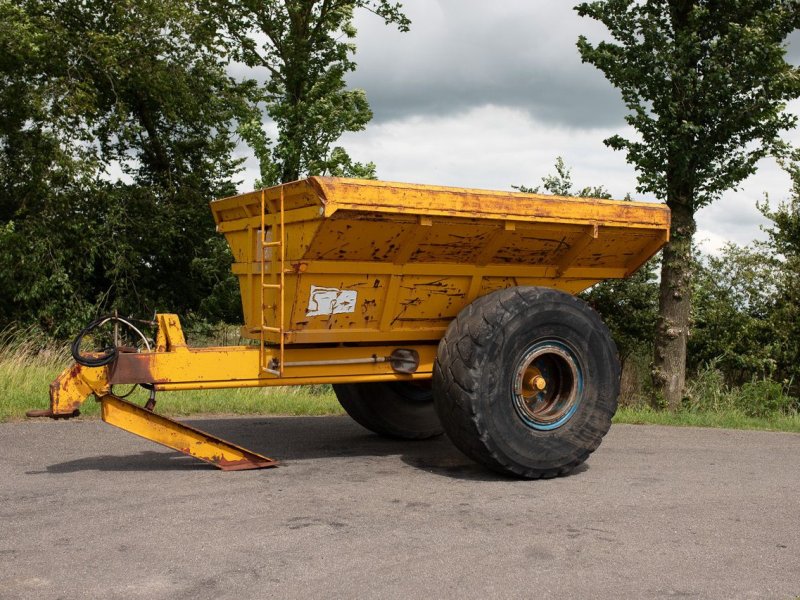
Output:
x=175 y=366
x=580 y=244
x=180 y=437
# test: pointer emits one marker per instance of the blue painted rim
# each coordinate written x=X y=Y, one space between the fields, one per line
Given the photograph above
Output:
x=539 y=355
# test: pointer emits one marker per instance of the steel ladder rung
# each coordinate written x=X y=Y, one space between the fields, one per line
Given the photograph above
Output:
x=276 y=260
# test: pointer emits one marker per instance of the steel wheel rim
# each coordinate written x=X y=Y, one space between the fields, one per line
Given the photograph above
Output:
x=547 y=385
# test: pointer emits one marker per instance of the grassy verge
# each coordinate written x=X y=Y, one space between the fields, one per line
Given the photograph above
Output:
x=25 y=374
x=26 y=370
x=23 y=387
x=297 y=400
x=723 y=420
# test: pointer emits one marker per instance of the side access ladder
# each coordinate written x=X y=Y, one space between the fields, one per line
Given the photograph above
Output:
x=276 y=248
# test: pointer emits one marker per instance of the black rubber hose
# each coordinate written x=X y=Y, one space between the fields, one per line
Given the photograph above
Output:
x=109 y=354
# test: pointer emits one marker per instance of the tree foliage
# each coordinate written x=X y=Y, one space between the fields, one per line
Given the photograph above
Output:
x=115 y=132
x=705 y=84
x=629 y=307
x=784 y=243
x=732 y=317
x=118 y=124
x=746 y=304
x=560 y=184
x=306 y=48
x=784 y=232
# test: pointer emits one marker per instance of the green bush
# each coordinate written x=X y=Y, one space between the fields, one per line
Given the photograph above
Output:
x=764 y=398
x=708 y=391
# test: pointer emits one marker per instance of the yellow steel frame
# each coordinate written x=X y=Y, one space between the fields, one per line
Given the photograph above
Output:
x=440 y=201
x=179 y=436
x=481 y=279
x=173 y=365
x=345 y=234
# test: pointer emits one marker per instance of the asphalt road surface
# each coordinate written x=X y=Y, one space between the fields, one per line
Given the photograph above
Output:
x=88 y=511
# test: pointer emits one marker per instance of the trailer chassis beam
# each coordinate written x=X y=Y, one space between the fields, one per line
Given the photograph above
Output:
x=175 y=366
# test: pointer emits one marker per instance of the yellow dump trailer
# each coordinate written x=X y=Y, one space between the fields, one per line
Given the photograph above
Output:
x=429 y=308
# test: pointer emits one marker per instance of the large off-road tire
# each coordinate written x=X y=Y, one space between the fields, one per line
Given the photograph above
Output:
x=526 y=381
x=394 y=409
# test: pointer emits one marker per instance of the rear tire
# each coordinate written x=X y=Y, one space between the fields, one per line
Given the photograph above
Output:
x=526 y=381
x=395 y=409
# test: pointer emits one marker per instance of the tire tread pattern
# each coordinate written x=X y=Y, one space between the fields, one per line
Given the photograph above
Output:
x=457 y=374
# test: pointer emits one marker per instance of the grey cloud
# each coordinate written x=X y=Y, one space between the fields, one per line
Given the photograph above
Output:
x=793 y=51
x=461 y=54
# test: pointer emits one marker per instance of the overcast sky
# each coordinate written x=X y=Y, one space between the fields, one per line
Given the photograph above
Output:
x=488 y=94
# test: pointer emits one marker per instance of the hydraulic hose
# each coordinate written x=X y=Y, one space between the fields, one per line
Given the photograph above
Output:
x=109 y=354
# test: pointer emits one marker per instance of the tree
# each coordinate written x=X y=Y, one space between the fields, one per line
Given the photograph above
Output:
x=306 y=48
x=733 y=314
x=115 y=131
x=560 y=184
x=784 y=243
x=706 y=83
x=630 y=309
x=784 y=232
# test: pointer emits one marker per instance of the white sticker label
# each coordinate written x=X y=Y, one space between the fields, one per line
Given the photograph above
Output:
x=330 y=301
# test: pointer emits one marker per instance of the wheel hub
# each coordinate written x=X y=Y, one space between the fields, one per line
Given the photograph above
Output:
x=547 y=385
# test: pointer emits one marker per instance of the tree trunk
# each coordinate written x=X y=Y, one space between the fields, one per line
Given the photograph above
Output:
x=674 y=303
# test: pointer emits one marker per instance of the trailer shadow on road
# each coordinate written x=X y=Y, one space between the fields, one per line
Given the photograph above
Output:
x=291 y=440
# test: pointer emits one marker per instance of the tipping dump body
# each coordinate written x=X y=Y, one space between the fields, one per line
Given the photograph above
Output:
x=371 y=261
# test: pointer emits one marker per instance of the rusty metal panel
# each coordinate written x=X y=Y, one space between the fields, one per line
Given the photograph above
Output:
x=372 y=261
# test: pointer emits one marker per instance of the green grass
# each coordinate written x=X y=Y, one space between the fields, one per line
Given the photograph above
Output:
x=243 y=401
x=26 y=370
x=730 y=419
x=27 y=367
x=296 y=400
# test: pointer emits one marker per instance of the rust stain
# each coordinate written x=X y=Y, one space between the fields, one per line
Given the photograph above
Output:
x=438 y=283
x=131 y=368
x=405 y=304
x=368 y=305
x=244 y=464
x=299 y=267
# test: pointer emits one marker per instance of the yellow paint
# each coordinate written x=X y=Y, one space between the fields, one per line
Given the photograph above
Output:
x=175 y=366
x=412 y=256
x=180 y=437
x=415 y=255
x=74 y=385
x=238 y=366
x=170 y=334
